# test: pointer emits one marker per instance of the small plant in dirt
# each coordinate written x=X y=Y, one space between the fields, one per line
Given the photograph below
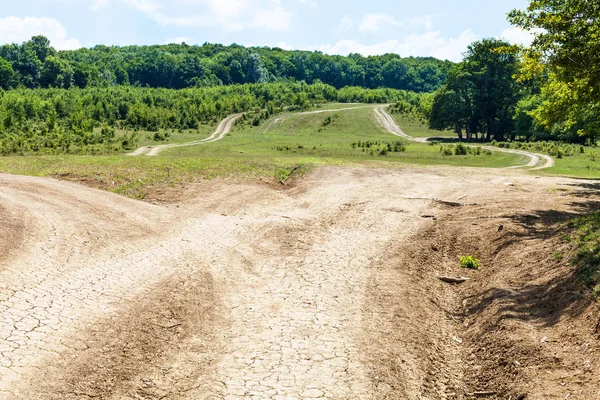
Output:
x=470 y=262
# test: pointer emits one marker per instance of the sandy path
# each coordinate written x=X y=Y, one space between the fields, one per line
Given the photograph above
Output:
x=223 y=129
x=536 y=161
x=242 y=292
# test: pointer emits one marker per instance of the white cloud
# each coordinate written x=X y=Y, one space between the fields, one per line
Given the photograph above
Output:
x=17 y=30
x=98 y=5
x=311 y=3
x=520 y=36
x=424 y=21
x=179 y=40
x=275 y=19
x=345 y=47
x=233 y=15
x=429 y=44
x=284 y=46
x=372 y=22
x=346 y=24
x=434 y=45
x=228 y=8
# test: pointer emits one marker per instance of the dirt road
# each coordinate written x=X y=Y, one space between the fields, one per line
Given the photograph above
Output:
x=536 y=161
x=223 y=129
x=240 y=292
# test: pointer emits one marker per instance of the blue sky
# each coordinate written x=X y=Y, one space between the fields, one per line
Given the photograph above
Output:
x=436 y=28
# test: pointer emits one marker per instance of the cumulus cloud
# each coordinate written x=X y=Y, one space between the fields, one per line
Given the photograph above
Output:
x=311 y=3
x=346 y=24
x=520 y=36
x=373 y=22
x=434 y=45
x=274 y=19
x=179 y=40
x=98 y=4
x=429 y=44
x=17 y=30
x=233 y=15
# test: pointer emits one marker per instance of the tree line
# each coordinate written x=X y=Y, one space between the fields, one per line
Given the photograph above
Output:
x=86 y=120
x=35 y=64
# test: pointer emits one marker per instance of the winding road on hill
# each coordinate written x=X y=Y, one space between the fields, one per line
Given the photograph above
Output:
x=536 y=161
x=223 y=129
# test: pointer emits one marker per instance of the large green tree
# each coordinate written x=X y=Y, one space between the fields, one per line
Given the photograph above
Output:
x=6 y=74
x=566 y=50
x=480 y=94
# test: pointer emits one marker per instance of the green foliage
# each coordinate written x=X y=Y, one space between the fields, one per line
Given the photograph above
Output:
x=480 y=94
x=462 y=150
x=470 y=262
x=556 y=149
x=585 y=235
x=178 y=66
x=6 y=74
x=379 y=147
x=59 y=120
x=565 y=58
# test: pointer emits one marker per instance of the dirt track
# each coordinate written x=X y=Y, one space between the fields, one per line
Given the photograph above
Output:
x=240 y=292
x=223 y=129
x=536 y=161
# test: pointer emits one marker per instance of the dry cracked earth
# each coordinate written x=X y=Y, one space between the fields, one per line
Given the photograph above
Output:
x=239 y=292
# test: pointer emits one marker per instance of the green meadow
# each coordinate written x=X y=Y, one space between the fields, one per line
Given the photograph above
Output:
x=288 y=142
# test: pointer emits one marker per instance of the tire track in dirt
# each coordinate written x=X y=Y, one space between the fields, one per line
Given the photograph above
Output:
x=536 y=161
x=223 y=129
x=242 y=292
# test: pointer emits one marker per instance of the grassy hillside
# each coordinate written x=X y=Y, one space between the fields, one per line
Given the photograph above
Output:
x=297 y=142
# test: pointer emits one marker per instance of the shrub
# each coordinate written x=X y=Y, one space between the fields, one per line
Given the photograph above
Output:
x=446 y=150
x=470 y=262
x=461 y=150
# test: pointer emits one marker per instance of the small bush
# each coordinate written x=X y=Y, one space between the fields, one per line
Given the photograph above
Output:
x=461 y=150
x=470 y=262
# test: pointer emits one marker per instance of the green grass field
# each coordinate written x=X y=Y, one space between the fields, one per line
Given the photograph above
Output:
x=298 y=142
x=416 y=128
x=304 y=139
x=571 y=160
x=578 y=165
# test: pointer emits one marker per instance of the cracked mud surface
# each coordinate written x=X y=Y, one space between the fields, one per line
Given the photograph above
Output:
x=240 y=292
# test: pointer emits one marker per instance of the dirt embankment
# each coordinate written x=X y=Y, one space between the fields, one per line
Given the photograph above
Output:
x=527 y=329
x=328 y=290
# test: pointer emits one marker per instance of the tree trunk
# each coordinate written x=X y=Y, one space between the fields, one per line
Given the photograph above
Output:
x=458 y=130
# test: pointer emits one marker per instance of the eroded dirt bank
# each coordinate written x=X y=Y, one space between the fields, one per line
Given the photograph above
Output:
x=326 y=290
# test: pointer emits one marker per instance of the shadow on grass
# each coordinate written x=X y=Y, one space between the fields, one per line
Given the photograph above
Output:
x=448 y=140
x=562 y=295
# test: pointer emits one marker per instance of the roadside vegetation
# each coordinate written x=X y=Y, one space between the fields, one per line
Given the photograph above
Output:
x=296 y=144
x=117 y=119
x=585 y=236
